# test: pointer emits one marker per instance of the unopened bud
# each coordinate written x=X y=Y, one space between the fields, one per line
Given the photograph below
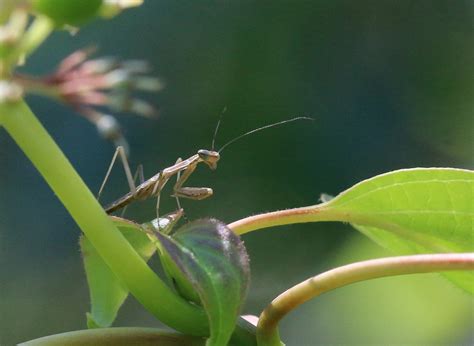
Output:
x=122 y=103
x=142 y=108
x=98 y=66
x=148 y=84
x=109 y=127
x=11 y=31
x=117 y=77
x=111 y=8
x=10 y=92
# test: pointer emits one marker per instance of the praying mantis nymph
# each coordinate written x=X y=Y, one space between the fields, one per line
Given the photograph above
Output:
x=182 y=169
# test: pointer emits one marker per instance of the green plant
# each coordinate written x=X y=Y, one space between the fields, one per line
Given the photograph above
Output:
x=73 y=12
x=412 y=212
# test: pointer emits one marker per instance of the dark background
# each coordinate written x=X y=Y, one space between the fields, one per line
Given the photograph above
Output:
x=390 y=85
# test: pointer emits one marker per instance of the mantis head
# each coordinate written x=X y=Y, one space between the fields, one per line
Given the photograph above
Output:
x=209 y=157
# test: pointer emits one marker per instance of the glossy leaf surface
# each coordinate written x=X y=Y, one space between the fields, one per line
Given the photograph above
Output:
x=209 y=265
x=423 y=210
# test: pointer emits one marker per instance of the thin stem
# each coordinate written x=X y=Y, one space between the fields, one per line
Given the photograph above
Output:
x=119 y=255
x=37 y=86
x=324 y=212
x=36 y=34
x=284 y=217
x=117 y=337
x=267 y=329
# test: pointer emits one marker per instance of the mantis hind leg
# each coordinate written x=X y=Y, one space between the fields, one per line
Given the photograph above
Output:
x=178 y=176
x=138 y=174
x=160 y=183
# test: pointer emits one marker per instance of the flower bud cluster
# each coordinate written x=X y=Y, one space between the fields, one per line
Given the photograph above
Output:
x=91 y=86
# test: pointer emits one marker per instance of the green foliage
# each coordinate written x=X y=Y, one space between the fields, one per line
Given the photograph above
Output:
x=422 y=210
x=408 y=211
x=204 y=260
x=209 y=265
x=107 y=292
x=71 y=12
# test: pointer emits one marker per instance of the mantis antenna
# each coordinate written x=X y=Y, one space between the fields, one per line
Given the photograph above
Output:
x=262 y=128
x=217 y=128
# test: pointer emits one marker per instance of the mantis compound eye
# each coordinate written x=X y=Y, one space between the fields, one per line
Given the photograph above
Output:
x=209 y=157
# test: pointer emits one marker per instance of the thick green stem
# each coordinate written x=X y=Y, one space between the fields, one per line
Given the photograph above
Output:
x=267 y=329
x=122 y=259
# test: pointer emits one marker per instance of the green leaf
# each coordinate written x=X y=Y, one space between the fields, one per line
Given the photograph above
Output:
x=106 y=291
x=421 y=210
x=72 y=12
x=209 y=265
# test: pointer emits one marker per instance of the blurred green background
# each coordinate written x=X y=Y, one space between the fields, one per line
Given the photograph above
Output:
x=390 y=85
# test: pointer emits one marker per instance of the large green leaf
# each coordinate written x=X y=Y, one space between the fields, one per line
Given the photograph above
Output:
x=422 y=210
x=208 y=264
x=106 y=291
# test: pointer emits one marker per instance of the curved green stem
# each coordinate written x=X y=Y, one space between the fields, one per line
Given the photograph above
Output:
x=267 y=329
x=119 y=255
x=326 y=212
x=117 y=337
x=284 y=217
